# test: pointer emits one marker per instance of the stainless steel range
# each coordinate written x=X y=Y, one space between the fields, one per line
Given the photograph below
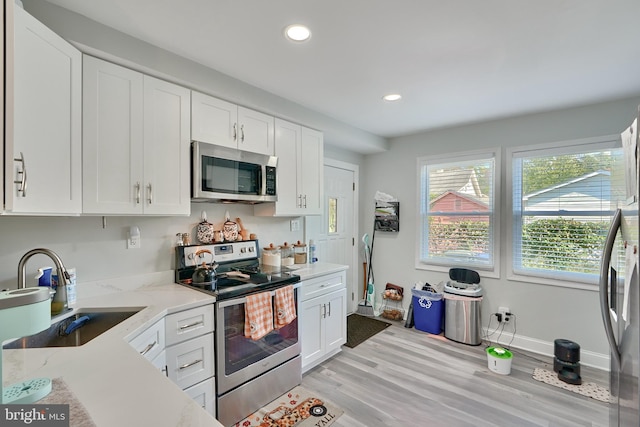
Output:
x=249 y=373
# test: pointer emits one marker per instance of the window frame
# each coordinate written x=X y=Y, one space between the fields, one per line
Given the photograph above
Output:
x=465 y=156
x=574 y=146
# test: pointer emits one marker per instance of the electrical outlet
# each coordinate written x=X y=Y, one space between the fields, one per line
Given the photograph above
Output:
x=505 y=314
x=295 y=225
x=133 y=242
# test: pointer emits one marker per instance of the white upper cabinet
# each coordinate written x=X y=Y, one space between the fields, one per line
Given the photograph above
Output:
x=222 y=123
x=135 y=142
x=300 y=153
x=43 y=83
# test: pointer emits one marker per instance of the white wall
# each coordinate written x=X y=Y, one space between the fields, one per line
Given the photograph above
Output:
x=544 y=313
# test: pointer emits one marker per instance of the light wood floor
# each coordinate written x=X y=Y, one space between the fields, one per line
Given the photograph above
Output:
x=405 y=377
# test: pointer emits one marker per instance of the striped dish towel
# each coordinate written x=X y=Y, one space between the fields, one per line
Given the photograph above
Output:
x=285 y=306
x=258 y=315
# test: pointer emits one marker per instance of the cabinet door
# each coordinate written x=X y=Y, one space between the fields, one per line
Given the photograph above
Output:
x=311 y=166
x=213 y=120
x=255 y=132
x=166 y=148
x=112 y=148
x=288 y=152
x=45 y=130
x=336 y=320
x=311 y=330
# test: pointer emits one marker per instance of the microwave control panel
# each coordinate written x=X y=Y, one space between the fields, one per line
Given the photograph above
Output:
x=270 y=181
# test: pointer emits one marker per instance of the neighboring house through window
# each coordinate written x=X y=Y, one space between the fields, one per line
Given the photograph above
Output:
x=563 y=202
x=458 y=199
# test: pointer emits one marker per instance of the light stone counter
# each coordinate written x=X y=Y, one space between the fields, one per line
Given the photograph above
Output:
x=310 y=271
x=117 y=386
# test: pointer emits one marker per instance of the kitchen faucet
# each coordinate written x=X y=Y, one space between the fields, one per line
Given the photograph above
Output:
x=63 y=275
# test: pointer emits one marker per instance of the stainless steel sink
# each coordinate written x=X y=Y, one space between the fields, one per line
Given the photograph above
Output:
x=75 y=330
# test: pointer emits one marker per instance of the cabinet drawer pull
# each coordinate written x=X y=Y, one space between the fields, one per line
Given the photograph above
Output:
x=305 y=202
x=191 y=325
x=148 y=348
x=329 y=309
x=23 y=176
x=150 y=193
x=186 y=365
x=137 y=193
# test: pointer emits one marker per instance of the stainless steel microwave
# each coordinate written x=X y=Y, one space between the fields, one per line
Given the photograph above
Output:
x=221 y=174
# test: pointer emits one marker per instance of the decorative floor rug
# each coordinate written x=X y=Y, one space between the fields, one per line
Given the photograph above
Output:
x=591 y=390
x=299 y=408
x=361 y=328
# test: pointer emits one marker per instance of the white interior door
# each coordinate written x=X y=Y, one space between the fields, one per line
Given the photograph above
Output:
x=338 y=243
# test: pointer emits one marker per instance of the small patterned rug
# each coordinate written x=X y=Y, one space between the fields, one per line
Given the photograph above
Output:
x=586 y=389
x=299 y=408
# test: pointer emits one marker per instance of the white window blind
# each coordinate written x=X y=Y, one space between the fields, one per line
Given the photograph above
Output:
x=457 y=210
x=563 y=202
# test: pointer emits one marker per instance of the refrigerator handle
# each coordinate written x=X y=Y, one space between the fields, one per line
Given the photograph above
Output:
x=604 y=281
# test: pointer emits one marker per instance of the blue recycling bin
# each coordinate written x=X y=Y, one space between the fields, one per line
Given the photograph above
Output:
x=427 y=311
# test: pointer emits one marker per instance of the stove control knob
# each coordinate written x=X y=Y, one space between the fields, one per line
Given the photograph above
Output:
x=243 y=250
x=251 y=249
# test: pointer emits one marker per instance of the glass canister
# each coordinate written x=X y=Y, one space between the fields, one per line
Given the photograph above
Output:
x=271 y=256
x=300 y=253
x=286 y=254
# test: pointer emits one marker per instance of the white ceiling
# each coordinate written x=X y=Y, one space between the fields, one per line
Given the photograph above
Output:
x=454 y=61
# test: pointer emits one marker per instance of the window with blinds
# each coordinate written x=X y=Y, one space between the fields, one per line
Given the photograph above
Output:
x=563 y=202
x=457 y=210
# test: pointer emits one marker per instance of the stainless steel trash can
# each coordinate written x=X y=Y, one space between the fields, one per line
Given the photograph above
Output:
x=462 y=319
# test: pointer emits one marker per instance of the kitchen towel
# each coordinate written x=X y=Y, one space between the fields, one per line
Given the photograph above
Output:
x=285 y=306
x=258 y=315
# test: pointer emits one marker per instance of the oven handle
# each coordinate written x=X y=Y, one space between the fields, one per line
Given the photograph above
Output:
x=237 y=301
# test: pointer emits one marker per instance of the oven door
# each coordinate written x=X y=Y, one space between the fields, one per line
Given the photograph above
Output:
x=240 y=359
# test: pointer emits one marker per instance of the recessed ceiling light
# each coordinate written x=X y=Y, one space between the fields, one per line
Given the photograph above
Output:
x=392 y=97
x=297 y=33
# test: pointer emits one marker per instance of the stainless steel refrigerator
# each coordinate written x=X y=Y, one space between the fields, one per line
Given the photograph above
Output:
x=619 y=292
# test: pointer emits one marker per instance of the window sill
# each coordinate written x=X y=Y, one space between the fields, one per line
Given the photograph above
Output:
x=546 y=281
x=445 y=269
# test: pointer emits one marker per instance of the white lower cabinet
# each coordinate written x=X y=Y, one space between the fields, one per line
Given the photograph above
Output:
x=205 y=394
x=191 y=361
x=181 y=346
x=323 y=318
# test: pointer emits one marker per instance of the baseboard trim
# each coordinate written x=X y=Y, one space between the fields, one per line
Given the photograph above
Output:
x=545 y=348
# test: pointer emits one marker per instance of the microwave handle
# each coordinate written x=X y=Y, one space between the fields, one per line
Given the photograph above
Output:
x=263 y=180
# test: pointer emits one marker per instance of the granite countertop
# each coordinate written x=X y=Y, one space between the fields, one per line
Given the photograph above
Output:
x=115 y=384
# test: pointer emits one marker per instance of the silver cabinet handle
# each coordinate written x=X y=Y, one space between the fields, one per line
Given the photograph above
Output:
x=148 y=348
x=329 y=309
x=305 y=201
x=137 y=193
x=23 y=176
x=186 y=365
x=299 y=200
x=241 y=133
x=191 y=325
x=150 y=199
x=235 y=131
x=324 y=311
